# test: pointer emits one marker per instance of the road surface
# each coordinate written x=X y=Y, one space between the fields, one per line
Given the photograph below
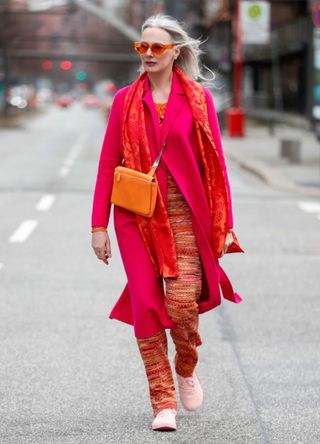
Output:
x=68 y=374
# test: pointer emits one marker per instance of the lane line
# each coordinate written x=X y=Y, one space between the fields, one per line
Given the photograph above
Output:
x=1 y=265
x=45 y=203
x=64 y=171
x=309 y=207
x=23 y=231
x=71 y=157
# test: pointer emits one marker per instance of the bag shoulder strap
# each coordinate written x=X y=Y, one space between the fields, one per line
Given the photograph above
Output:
x=157 y=161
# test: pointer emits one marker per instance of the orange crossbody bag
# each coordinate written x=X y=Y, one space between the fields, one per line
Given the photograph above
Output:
x=136 y=191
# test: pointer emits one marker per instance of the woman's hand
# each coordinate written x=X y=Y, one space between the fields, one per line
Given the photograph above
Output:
x=228 y=241
x=101 y=245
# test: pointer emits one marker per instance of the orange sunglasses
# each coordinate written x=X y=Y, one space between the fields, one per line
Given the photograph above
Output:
x=158 y=49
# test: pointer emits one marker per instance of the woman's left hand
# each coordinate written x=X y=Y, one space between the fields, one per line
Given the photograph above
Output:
x=228 y=241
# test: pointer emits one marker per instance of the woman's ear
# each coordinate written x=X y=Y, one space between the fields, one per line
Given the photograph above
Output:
x=176 y=53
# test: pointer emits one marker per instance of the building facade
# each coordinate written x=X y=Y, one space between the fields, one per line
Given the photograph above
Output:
x=276 y=75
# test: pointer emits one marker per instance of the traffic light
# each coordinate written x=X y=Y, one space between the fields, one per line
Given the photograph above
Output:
x=66 y=65
x=46 y=65
x=81 y=75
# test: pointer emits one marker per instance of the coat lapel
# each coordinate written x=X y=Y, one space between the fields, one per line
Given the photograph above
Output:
x=148 y=99
x=176 y=100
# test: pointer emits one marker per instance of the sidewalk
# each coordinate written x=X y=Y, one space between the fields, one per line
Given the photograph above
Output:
x=17 y=120
x=259 y=153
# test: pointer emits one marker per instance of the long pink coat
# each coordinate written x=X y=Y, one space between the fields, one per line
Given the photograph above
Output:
x=141 y=302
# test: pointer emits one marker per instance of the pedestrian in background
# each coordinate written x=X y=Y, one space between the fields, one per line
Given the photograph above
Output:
x=171 y=259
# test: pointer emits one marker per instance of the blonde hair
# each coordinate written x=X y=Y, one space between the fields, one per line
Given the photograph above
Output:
x=189 y=57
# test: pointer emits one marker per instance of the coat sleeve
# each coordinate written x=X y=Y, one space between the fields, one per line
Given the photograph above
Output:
x=110 y=157
x=214 y=124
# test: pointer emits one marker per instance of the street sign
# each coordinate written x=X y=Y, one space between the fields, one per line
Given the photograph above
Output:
x=316 y=15
x=255 y=22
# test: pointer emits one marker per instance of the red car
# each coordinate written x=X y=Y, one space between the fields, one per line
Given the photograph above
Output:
x=64 y=101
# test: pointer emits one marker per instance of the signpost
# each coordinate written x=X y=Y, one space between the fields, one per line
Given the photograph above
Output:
x=316 y=15
x=315 y=69
x=235 y=116
x=252 y=27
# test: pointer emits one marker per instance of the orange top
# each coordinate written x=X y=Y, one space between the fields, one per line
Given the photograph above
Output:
x=161 y=109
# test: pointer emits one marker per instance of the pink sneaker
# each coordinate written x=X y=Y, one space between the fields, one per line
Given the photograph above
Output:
x=190 y=391
x=165 y=420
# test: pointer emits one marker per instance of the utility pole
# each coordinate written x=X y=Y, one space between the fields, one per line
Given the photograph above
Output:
x=310 y=69
x=235 y=116
x=238 y=58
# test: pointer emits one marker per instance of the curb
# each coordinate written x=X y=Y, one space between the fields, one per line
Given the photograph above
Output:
x=271 y=175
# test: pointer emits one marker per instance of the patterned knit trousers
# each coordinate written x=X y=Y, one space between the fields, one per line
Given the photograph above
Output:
x=181 y=298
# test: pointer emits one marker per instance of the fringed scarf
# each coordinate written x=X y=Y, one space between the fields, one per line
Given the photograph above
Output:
x=156 y=231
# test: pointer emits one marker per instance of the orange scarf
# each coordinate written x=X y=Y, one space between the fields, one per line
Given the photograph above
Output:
x=156 y=231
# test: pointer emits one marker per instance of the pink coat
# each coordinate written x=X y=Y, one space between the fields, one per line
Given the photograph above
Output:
x=141 y=302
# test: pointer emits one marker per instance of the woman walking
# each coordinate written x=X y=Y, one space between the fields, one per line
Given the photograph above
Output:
x=172 y=258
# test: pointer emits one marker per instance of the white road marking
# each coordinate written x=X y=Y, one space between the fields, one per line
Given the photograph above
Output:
x=1 y=265
x=71 y=157
x=64 y=171
x=309 y=207
x=45 y=202
x=23 y=231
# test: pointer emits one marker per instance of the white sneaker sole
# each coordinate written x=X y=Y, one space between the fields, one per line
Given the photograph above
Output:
x=164 y=428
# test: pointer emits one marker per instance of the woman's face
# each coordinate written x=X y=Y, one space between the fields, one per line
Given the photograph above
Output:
x=152 y=63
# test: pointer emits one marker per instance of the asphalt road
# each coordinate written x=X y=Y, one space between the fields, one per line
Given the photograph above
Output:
x=68 y=374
